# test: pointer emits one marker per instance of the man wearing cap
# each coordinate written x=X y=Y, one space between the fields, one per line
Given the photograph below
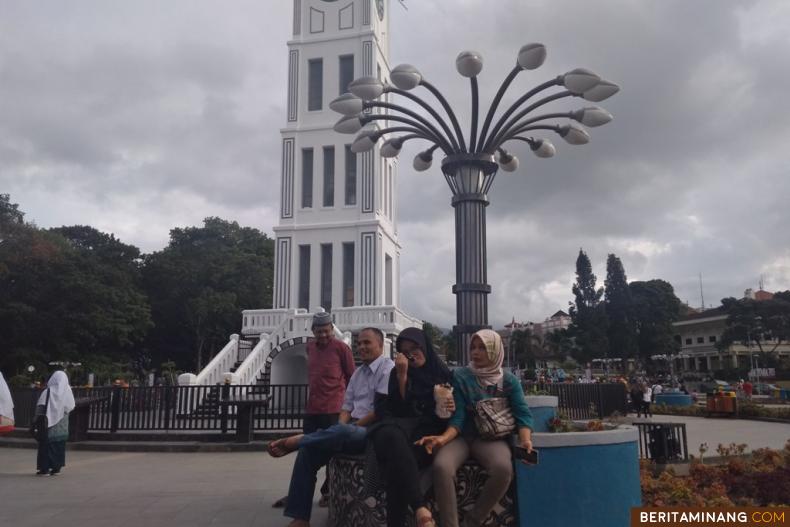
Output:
x=330 y=366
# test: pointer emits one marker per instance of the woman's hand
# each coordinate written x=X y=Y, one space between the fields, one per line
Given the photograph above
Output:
x=525 y=438
x=430 y=442
x=401 y=364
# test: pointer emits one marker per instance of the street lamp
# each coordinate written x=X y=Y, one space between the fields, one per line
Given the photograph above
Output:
x=470 y=167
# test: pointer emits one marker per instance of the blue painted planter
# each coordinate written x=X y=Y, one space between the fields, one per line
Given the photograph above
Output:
x=674 y=399
x=543 y=408
x=584 y=479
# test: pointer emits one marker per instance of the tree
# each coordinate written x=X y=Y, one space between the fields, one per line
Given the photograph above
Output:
x=524 y=344
x=559 y=343
x=63 y=301
x=439 y=339
x=655 y=308
x=9 y=213
x=619 y=310
x=198 y=285
x=588 y=314
x=764 y=322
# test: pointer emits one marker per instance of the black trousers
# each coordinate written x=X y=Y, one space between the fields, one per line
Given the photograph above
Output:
x=400 y=462
x=51 y=456
x=314 y=422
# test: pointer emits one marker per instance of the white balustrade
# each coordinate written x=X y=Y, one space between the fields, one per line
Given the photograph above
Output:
x=257 y=321
x=222 y=362
x=295 y=323
x=386 y=318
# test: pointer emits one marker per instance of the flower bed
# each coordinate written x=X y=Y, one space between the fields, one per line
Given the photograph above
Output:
x=760 y=480
x=745 y=409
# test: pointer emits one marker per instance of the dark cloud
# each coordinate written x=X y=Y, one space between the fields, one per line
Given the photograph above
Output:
x=140 y=116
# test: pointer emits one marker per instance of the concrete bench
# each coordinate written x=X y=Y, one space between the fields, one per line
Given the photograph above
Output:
x=348 y=504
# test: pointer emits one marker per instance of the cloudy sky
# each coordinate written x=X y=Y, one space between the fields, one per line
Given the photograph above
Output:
x=136 y=117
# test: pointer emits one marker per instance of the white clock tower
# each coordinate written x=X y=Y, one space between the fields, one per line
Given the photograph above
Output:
x=337 y=245
x=337 y=242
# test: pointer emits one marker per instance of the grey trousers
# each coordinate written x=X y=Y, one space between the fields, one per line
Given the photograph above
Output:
x=493 y=456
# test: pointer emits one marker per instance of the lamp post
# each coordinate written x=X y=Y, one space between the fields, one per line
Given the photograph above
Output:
x=470 y=167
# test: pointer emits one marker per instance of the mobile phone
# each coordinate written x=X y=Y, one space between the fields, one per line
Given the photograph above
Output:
x=530 y=458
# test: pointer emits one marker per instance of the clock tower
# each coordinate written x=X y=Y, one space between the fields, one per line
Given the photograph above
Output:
x=336 y=242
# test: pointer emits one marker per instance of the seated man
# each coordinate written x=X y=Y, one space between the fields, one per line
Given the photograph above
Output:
x=348 y=436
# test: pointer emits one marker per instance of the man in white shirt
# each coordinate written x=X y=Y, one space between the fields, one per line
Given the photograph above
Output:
x=657 y=390
x=348 y=436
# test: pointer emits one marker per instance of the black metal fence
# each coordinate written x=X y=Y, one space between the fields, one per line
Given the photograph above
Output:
x=663 y=442
x=585 y=401
x=174 y=407
x=198 y=407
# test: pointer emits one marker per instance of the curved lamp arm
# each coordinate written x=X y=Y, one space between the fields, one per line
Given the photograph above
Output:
x=492 y=109
x=422 y=129
x=449 y=111
x=414 y=115
x=427 y=108
x=521 y=100
x=494 y=140
x=475 y=104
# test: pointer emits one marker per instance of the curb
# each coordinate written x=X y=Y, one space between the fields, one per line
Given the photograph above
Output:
x=143 y=446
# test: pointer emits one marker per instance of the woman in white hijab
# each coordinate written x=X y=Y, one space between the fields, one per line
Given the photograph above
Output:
x=55 y=402
x=6 y=408
x=483 y=378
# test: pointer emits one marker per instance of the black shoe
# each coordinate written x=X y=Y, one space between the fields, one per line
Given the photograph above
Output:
x=41 y=473
x=54 y=472
x=281 y=503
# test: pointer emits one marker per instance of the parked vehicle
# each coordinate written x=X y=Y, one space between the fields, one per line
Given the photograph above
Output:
x=764 y=388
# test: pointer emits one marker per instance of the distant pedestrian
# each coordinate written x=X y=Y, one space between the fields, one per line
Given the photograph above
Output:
x=647 y=396
x=636 y=398
x=55 y=402
x=6 y=408
x=657 y=390
x=748 y=389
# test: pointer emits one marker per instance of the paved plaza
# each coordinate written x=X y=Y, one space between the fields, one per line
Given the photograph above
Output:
x=223 y=489
x=146 y=489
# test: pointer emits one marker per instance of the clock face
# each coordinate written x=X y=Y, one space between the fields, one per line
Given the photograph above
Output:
x=380 y=8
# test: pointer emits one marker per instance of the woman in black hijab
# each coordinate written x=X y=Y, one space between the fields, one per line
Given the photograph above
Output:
x=404 y=415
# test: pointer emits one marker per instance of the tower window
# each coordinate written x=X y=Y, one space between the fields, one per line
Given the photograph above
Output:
x=329 y=176
x=346 y=72
x=351 y=176
x=307 y=177
x=304 y=276
x=387 y=280
x=348 y=274
x=326 y=276
x=315 y=84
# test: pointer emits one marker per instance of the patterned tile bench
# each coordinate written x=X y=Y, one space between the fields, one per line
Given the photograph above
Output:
x=348 y=504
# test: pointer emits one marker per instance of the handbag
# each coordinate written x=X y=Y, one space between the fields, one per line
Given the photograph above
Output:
x=40 y=427
x=494 y=418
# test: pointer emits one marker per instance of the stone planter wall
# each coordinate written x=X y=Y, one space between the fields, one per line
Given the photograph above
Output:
x=588 y=479
x=543 y=408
